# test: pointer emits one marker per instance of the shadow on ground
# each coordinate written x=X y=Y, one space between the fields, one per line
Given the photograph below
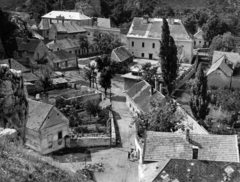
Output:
x=119 y=98
x=67 y=155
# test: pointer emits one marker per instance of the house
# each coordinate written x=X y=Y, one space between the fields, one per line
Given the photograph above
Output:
x=199 y=41
x=181 y=170
x=71 y=46
x=65 y=30
x=224 y=71
x=159 y=146
x=122 y=56
x=30 y=49
x=144 y=35
x=46 y=127
x=62 y=17
x=28 y=76
x=61 y=59
x=233 y=57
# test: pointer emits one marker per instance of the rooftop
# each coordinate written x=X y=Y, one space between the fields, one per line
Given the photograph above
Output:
x=153 y=29
x=67 y=15
x=181 y=170
x=104 y=22
x=68 y=28
x=231 y=56
x=66 y=43
x=27 y=44
x=164 y=145
x=121 y=54
x=60 y=56
x=14 y=65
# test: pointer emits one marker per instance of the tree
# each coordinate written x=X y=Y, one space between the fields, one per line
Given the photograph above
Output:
x=160 y=11
x=83 y=42
x=168 y=58
x=90 y=74
x=200 y=98
x=105 y=79
x=45 y=82
x=190 y=23
x=149 y=73
x=92 y=108
x=213 y=27
x=106 y=42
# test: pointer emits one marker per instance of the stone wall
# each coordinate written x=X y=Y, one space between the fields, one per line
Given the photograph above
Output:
x=13 y=100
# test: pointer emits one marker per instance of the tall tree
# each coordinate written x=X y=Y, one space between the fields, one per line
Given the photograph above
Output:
x=45 y=82
x=200 y=98
x=105 y=79
x=149 y=73
x=90 y=74
x=168 y=58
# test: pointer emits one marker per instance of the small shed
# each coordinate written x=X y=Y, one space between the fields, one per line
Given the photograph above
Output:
x=46 y=127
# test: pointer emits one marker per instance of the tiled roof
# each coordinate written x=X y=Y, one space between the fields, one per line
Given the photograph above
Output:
x=220 y=64
x=199 y=34
x=38 y=111
x=68 y=28
x=14 y=65
x=30 y=45
x=104 y=22
x=29 y=77
x=165 y=145
x=232 y=56
x=153 y=29
x=120 y=54
x=60 y=56
x=66 y=43
x=180 y=170
x=66 y=15
x=59 y=81
x=40 y=73
x=140 y=93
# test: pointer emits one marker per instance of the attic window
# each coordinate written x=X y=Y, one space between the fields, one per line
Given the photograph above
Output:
x=48 y=117
x=195 y=152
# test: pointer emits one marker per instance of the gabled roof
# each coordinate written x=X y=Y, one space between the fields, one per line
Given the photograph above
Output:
x=121 y=54
x=14 y=65
x=66 y=43
x=180 y=170
x=153 y=29
x=199 y=34
x=231 y=56
x=165 y=145
x=68 y=28
x=38 y=111
x=60 y=56
x=28 y=45
x=67 y=15
x=220 y=64
x=140 y=93
x=29 y=77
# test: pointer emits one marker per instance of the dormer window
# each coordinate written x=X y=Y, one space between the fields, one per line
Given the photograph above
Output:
x=195 y=152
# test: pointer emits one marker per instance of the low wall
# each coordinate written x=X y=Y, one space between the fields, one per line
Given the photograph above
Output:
x=95 y=141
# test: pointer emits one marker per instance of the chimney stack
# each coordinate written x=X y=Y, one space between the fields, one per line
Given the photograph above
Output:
x=10 y=63
x=145 y=19
x=171 y=20
x=156 y=84
x=187 y=135
x=152 y=90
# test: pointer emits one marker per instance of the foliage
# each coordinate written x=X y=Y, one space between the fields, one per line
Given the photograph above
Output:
x=213 y=27
x=223 y=42
x=149 y=73
x=166 y=11
x=163 y=117
x=90 y=74
x=190 y=24
x=168 y=58
x=45 y=82
x=83 y=42
x=92 y=108
x=106 y=42
x=105 y=79
x=200 y=98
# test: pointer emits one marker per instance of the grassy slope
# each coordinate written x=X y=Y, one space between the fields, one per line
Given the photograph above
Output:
x=17 y=164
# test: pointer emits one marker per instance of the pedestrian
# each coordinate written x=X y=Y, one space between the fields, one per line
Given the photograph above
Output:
x=129 y=155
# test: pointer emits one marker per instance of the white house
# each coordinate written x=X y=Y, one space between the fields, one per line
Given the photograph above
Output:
x=145 y=33
x=199 y=41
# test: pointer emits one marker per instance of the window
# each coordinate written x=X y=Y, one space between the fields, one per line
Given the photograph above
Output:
x=58 y=49
x=132 y=44
x=59 y=135
x=143 y=44
x=199 y=42
x=195 y=152
x=150 y=56
x=143 y=55
x=50 y=140
x=194 y=42
x=76 y=52
x=70 y=51
x=153 y=45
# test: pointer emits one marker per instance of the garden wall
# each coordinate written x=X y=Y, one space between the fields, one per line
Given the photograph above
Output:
x=95 y=140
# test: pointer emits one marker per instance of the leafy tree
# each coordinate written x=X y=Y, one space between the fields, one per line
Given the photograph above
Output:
x=214 y=26
x=105 y=79
x=190 y=23
x=106 y=42
x=45 y=82
x=168 y=58
x=92 y=108
x=200 y=98
x=166 y=11
x=149 y=73
x=84 y=43
x=90 y=74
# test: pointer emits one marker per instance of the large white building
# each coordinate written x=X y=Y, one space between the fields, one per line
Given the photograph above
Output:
x=144 y=36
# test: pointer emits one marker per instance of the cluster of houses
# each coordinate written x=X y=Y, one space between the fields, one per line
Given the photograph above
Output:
x=165 y=157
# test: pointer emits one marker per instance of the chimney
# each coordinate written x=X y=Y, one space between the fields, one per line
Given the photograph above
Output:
x=171 y=20
x=187 y=135
x=145 y=19
x=152 y=90
x=156 y=84
x=10 y=63
x=195 y=152
x=160 y=87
